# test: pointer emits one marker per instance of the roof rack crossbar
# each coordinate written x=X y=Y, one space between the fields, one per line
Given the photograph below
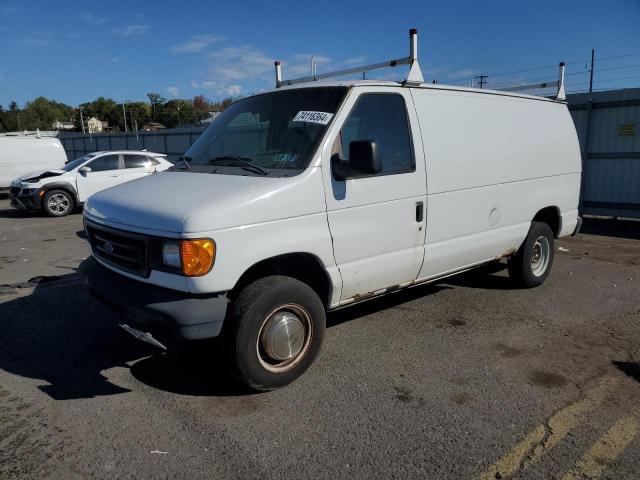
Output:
x=414 y=77
x=558 y=84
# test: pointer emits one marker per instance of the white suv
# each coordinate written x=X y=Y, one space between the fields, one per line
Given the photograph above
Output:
x=58 y=192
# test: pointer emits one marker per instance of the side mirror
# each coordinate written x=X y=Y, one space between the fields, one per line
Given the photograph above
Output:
x=363 y=160
x=84 y=169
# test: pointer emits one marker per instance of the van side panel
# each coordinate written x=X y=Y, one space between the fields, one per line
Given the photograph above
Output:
x=492 y=163
x=20 y=155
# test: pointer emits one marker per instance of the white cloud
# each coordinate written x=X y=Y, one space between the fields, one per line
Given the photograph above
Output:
x=354 y=60
x=463 y=73
x=302 y=57
x=300 y=64
x=195 y=44
x=36 y=39
x=134 y=29
x=173 y=90
x=234 y=90
x=231 y=64
x=91 y=19
x=207 y=84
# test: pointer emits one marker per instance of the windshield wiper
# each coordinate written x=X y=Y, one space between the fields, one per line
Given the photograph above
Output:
x=246 y=163
x=185 y=161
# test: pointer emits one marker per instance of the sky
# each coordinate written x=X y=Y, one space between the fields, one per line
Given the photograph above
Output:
x=74 y=51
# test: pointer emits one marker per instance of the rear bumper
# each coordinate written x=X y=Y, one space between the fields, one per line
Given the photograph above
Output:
x=167 y=314
x=578 y=226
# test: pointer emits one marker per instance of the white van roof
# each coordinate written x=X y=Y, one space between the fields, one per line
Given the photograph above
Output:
x=431 y=86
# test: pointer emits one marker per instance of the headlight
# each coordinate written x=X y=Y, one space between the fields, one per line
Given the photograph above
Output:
x=194 y=257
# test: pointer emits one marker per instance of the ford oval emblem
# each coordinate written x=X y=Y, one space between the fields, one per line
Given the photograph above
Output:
x=108 y=247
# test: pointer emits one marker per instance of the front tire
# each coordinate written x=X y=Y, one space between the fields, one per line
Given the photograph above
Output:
x=57 y=203
x=277 y=327
x=531 y=264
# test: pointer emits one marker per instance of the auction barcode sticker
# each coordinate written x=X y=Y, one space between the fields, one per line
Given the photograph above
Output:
x=313 y=117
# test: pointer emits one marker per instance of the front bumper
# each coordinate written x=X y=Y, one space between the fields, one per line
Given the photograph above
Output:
x=30 y=201
x=167 y=314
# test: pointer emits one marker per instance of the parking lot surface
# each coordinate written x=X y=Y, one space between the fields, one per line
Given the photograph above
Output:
x=467 y=378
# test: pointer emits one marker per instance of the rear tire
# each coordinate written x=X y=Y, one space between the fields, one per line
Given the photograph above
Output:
x=276 y=329
x=57 y=203
x=531 y=264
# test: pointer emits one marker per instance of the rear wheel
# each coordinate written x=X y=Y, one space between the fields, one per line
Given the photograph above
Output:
x=277 y=326
x=531 y=265
x=57 y=203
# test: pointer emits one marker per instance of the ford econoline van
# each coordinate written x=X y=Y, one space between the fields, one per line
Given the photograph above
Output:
x=319 y=195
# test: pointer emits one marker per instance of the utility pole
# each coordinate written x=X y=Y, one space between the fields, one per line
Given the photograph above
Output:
x=314 y=66
x=593 y=57
x=82 y=122
x=124 y=115
x=482 y=82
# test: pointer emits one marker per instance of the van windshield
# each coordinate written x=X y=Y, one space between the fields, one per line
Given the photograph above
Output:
x=272 y=134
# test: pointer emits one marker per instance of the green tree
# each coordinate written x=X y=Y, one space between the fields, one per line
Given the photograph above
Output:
x=138 y=113
x=41 y=113
x=156 y=101
x=106 y=110
x=10 y=120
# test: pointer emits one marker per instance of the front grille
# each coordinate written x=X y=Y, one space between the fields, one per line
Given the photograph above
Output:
x=122 y=250
x=14 y=190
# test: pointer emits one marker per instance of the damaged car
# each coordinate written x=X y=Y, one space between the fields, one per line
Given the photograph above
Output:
x=57 y=192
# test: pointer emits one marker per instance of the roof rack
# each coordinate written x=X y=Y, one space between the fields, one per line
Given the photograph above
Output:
x=558 y=84
x=413 y=78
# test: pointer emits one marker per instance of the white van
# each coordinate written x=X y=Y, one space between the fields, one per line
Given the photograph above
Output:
x=316 y=196
x=19 y=155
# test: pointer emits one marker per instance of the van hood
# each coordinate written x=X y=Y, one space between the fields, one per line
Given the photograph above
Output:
x=162 y=202
x=38 y=175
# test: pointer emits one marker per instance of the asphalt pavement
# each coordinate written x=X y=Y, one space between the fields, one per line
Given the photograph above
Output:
x=467 y=378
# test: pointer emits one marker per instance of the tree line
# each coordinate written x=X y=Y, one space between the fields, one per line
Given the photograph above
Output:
x=42 y=113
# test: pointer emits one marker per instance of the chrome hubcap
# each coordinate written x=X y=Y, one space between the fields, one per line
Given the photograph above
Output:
x=58 y=203
x=284 y=338
x=540 y=256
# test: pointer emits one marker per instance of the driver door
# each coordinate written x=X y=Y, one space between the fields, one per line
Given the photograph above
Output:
x=377 y=222
x=105 y=172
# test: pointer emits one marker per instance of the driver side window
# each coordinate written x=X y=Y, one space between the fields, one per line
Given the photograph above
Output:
x=105 y=163
x=380 y=118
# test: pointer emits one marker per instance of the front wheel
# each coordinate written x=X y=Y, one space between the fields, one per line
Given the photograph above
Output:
x=277 y=326
x=57 y=203
x=531 y=265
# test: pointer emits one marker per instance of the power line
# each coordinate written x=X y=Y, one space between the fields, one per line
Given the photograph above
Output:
x=615 y=79
x=619 y=56
x=637 y=65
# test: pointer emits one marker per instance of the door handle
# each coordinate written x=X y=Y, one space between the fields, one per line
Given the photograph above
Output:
x=419 y=212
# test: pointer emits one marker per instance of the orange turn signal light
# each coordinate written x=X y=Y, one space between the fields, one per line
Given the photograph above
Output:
x=197 y=256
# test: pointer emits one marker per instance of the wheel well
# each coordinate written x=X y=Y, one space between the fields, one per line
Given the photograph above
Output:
x=302 y=266
x=550 y=216
x=48 y=188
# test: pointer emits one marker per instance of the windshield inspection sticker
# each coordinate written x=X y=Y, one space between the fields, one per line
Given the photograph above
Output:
x=313 y=117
